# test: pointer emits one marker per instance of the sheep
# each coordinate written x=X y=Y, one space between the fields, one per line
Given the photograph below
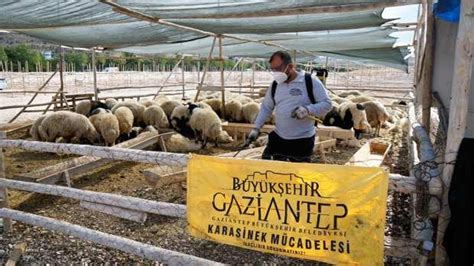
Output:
x=148 y=102
x=107 y=125
x=204 y=105
x=179 y=143
x=86 y=107
x=34 y=128
x=348 y=115
x=216 y=105
x=180 y=120
x=206 y=125
x=353 y=115
x=67 y=125
x=224 y=137
x=402 y=125
x=168 y=107
x=110 y=102
x=161 y=99
x=376 y=114
x=234 y=111
x=347 y=93
x=250 y=112
x=337 y=99
x=155 y=116
x=361 y=99
x=136 y=108
x=125 y=120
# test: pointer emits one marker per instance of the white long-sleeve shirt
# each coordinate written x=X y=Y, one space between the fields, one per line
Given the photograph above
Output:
x=289 y=96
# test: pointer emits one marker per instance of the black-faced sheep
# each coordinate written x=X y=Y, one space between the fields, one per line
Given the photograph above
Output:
x=180 y=120
x=86 y=107
x=34 y=128
x=376 y=114
x=155 y=116
x=107 y=125
x=206 y=125
x=67 y=125
x=348 y=115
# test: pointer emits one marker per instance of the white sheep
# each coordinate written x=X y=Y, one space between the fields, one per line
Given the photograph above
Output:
x=125 y=119
x=402 y=125
x=179 y=143
x=148 y=102
x=67 y=125
x=107 y=125
x=361 y=99
x=206 y=125
x=168 y=106
x=34 y=128
x=136 y=108
x=155 y=116
x=347 y=93
x=376 y=114
x=216 y=105
x=233 y=110
x=250 y=112
x=110 y=102
x=337 y=99
x=224 y=137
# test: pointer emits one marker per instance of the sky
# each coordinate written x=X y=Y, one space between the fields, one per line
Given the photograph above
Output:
x=407 y=13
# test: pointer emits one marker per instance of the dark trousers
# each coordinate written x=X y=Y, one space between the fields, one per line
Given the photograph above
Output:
x=293 y=150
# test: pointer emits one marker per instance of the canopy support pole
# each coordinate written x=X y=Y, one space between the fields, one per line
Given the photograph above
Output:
x=94 y=73
x=206 y=67
x=169 y=76
x=427 y=68
x=182 y=77
x=460 y=91
x=221 y=59
x=61 y=72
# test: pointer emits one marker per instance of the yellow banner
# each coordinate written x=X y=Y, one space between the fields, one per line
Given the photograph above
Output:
x=329 y=213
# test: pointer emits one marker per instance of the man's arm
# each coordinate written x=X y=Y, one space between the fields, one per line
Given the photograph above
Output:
x=266 y=109
x=323 y=104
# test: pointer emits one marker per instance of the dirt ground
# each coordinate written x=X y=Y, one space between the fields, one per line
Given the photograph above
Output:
x=126 y=178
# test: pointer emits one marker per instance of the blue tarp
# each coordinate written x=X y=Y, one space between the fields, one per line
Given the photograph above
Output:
x=448 y=10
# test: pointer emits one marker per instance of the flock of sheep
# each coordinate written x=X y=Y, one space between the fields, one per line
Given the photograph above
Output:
x=111 y=121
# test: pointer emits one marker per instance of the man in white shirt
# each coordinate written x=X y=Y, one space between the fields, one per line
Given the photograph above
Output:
x=293 y=101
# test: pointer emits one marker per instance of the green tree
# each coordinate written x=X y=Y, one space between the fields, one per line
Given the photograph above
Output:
x=78 y=59
x=3 y=54
x=22 y=53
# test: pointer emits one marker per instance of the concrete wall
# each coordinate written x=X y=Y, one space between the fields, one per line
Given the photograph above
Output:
x=443 y=68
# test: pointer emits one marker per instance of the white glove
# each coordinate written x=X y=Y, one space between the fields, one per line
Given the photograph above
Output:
x=300 y=112
x=253 y=135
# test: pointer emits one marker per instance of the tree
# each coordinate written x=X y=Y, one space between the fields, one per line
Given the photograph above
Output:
x=3 y=54
x=22 y=53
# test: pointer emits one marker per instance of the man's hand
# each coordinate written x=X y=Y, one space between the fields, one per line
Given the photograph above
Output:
x=300 y=112
x=253 y=135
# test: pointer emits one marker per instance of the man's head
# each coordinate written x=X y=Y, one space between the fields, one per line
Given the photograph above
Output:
x=280 y=61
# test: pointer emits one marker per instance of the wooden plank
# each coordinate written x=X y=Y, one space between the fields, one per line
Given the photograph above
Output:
x=132 y=215
x=77 y=166
x=160 y=176
x=4 y=199
x=16 y=254
x=370 y=154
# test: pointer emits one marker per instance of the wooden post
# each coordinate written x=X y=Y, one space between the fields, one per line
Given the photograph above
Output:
x=252 y=82
x=61 y=72
x=294 y=57
x=33 y=98
x=221 y=58
x=182 y=77
x=199 y=68
x=94 y=74
x=4 y=203
x=206 y=68
x=427 y=68
x=458 y=109
x=169 y=76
